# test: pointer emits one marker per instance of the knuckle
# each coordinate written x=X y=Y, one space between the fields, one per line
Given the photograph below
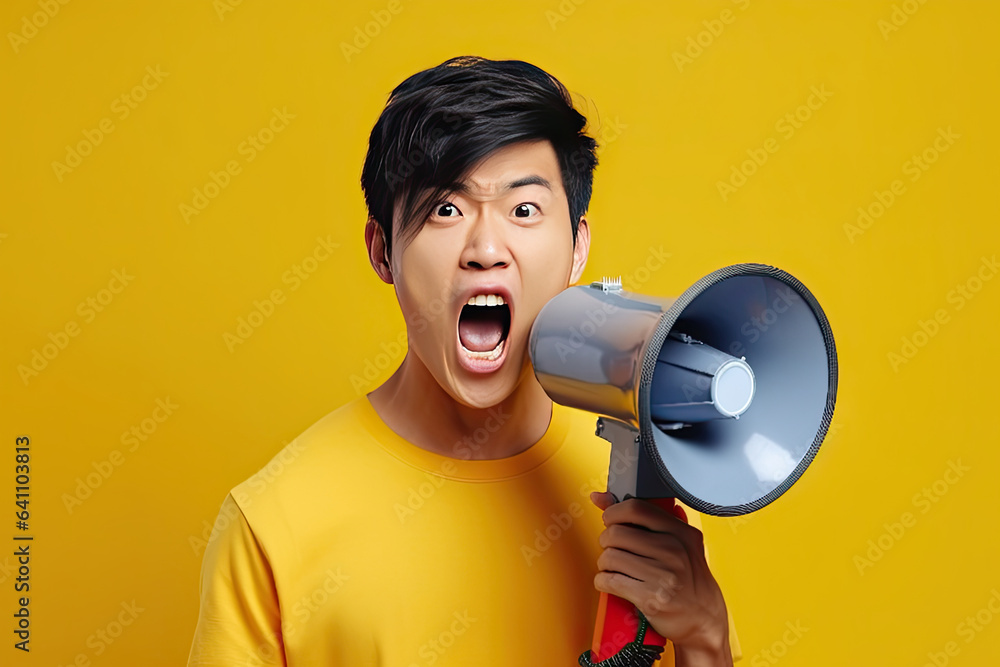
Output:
x=615 y=532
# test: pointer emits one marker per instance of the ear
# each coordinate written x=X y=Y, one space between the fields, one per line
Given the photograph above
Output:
x=580 y=251
x=375 y=240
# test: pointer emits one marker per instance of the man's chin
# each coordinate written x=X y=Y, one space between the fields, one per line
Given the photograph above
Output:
x=485 y=390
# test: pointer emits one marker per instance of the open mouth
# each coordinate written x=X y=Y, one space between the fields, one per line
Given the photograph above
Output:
x=483 y=326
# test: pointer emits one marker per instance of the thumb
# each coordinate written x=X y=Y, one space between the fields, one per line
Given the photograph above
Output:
x=603 y=499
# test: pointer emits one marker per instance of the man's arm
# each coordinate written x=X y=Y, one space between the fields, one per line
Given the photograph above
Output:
x=239 y=622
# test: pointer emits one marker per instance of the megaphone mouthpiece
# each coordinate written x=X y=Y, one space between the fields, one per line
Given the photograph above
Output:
x=694 y=382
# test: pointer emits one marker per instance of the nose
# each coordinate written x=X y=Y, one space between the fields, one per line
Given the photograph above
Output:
x=486 y=245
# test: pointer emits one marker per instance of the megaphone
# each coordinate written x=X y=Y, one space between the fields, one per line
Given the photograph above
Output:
x=720 y=397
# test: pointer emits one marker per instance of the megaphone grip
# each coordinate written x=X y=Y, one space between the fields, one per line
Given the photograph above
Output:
x=622 y=636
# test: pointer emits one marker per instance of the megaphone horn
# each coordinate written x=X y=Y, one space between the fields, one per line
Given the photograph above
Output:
x=720 y=397
x=730 y=387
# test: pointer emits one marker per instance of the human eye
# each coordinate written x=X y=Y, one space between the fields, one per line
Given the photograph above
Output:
x=446 y=210
x=525 y=210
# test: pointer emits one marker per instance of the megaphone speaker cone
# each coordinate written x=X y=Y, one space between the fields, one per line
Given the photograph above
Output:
x=727 y=390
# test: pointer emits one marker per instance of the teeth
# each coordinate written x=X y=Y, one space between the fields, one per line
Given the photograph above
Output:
x=486 y=300
x=492 y=355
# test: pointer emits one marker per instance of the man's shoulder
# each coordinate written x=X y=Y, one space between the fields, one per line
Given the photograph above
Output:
x=316 y=460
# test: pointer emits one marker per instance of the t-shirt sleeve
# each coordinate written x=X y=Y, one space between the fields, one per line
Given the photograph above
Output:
x=239 y=620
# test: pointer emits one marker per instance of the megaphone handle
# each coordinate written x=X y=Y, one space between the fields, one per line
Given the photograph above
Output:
x=617 y=618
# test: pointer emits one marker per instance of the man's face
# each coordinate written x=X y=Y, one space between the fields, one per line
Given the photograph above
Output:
x=506 y=240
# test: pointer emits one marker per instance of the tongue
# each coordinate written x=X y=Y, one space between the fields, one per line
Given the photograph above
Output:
x=479 y=331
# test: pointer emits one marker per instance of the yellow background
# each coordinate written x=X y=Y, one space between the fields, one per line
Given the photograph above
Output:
x=671 y=131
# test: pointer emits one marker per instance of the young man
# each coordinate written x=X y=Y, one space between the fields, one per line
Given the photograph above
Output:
x=444 y=518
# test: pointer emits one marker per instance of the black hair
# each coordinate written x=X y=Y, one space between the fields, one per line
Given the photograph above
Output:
x=441 y=122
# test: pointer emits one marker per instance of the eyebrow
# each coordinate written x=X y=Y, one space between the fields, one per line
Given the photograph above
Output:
x=463 y=188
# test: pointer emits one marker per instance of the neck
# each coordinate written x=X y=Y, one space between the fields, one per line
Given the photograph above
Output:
x=414 y=405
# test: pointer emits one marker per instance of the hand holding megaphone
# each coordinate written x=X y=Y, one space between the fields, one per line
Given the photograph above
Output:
x=720 y=397
x=665 y=573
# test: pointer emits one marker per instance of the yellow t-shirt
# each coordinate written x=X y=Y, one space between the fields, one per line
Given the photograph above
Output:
x=355 y=547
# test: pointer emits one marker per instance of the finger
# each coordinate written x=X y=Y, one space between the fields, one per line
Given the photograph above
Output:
x=638 y=512
x=664 y=548
x=637 y=580
x=624 y=562
x=641 y=513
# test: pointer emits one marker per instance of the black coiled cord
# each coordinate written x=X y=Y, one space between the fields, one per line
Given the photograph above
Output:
x=633 y=654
